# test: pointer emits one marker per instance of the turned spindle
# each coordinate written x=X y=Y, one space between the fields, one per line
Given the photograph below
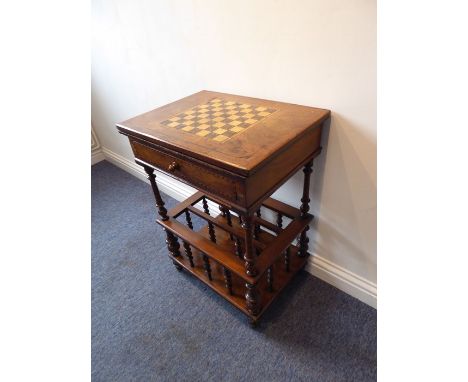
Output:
x=206 y=265
x=172 y=244
x=286 y=259
x=205 y=206
x=249 y=258
x=188 y=219
x=227 y=214
x=188 y=253
x=238 y=247
x=279 y=220
x=227 y=280
x=221 y=209
x=270 y=279
x=211 y=229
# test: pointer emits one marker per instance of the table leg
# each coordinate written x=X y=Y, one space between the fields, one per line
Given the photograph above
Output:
x=249 y=250
x=171 y=240
x=304 y=240
x=251 y=299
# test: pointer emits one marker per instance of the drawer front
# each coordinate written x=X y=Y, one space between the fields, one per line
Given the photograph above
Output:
x=197 y=175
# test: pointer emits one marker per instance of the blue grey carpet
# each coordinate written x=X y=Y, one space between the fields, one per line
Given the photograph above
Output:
x=152 y=323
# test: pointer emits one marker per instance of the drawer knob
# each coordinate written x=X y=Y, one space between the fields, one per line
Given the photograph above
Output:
x=173 y=166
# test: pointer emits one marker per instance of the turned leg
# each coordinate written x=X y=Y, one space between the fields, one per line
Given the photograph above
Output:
x=172 y=244
x=171 y=239
x=251 y=299
x=303 y=243
x=257 y=226
x=304 y=240
x=251 y=295
x=159 y=202
x=257 y=231
x=249 y=250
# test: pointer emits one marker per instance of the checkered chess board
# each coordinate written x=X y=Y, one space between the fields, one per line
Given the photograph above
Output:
x=218 y=119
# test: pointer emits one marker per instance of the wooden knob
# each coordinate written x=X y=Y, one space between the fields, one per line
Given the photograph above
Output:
x=172 y=167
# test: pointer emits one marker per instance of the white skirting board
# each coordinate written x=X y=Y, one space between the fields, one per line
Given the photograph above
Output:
x=97 y=156
x=325 y=270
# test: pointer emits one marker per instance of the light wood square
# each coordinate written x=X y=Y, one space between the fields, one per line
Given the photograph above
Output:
x=250 y=121
x=220 y=138
x=237 y=129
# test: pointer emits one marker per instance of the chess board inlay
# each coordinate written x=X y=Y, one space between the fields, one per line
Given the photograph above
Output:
x=218 y=119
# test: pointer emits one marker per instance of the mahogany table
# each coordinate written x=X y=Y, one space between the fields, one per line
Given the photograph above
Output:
x=236 y=151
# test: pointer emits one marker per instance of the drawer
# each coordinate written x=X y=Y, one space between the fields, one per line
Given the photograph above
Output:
x=201 y=176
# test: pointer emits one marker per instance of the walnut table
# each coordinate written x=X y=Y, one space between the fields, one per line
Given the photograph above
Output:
x=236 y=151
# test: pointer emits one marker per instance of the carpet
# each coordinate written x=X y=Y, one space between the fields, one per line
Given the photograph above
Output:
x=152 y=323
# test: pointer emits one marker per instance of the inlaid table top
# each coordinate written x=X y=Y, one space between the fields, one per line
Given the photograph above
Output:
x=234 y=132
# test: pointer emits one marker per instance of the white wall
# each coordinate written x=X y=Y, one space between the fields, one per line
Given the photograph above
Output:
x=313 y=52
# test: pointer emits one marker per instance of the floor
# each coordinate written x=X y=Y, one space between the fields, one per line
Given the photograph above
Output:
x=152 y=323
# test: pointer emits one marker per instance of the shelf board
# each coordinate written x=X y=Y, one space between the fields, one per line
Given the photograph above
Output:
x=225 y=253
x=282 y=208
x=203 y=244
x=222 y=223
x=281 y=277
x=179 y=208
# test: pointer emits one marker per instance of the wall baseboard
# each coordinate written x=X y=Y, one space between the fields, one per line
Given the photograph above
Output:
x=331 y=273
x=97 y=156
x=343 y=279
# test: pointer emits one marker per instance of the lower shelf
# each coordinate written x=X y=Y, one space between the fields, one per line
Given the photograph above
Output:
x=237 y=298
